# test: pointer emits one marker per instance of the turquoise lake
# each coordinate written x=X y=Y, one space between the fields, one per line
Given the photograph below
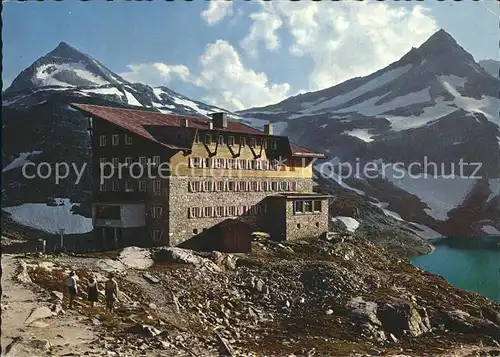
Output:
x=472 y=265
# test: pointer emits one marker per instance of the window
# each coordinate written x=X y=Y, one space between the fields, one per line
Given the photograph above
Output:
x=231 y=185
x=307 y=206
x=208 y=211
x=221 y=140
x=156 y=160
x=129 y=186
x=298 y=225
x=219 y=211
x=156 y=211
x=298 y=207
x=207 y=186
x=243 y=141
x=143 y=161
x=264 y=143
x=195 y=162
x=107 y=212
x=254 y=164
x=274 y=186
x=115 y=139
x=116 y=185
x=219 y=186
x=156 y=234
x=116 y=161
x=102 y=140
x=102 y=161
x=317 y=224
x=230 y=140
x=103 y=187
x=253 y=142
x=128 y=139
x=274 y=144
x=156 y=186
x=232 y=211
x=283 y=186
x=143 y=186
x=128 y=161
x=208 y=139
x=195 y=231
x=317 y=206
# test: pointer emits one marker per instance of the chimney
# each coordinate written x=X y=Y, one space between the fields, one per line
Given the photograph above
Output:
x=219 y=120
x=268 y=129
x=184 y=122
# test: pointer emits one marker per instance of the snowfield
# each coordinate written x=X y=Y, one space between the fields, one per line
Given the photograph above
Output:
x=50 y=219
x=348 y=222
x=20 y=160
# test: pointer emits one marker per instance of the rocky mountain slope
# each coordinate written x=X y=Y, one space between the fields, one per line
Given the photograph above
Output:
x=337 y=297
x=491 y=66
x=433 y=108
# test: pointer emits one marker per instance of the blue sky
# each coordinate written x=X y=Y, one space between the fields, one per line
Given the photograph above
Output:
x=242 y=53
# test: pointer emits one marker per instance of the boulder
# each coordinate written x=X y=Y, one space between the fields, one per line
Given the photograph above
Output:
x=401 y=316
x=144 y=330
x=136 y=258
x=185 y=256
x=38 y=313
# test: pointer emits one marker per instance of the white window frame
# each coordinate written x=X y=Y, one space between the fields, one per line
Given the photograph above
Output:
x=116 y=161
x=102 y=140
x=143 y=160
x=129 y=186
x=128 y=160
x=230 y=140
x=115 y=139
x=156 y=160
x=128 y=139
x=157 y=211
x=274 y=144
x=220 y=139
x=156 y=186
x=102 y=161
x=143 y=186
x=103 y=187
x=115 y=185
x=243 y=141
x=156 y=235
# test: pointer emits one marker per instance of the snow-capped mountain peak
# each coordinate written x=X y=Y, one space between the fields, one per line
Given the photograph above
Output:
x=67 y=67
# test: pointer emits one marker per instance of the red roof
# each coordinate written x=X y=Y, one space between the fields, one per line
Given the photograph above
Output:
x=135 y=121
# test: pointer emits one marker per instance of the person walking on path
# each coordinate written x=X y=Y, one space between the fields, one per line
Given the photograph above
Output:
x=111 y=292
x=92 y=291
x=72 y=288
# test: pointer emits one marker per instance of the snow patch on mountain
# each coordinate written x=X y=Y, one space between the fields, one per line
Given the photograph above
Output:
x=362 y=134
x=49 y=218
x=54 y=74
x=441 y=194
x=495 y=188
x=131 y=99
x=20 y=160
x=349 y=223
x=490 y=230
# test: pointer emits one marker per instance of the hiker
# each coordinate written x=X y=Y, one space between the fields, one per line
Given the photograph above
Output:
x=92 y=291
x=72 y=288
x=111 y=292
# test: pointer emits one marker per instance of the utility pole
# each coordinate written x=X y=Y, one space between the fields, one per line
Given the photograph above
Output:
x=61 y=231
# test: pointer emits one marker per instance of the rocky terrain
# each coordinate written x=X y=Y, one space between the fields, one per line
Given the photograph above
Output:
x=332 y=296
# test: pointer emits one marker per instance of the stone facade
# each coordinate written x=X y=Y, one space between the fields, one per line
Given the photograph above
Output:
x=182 y=228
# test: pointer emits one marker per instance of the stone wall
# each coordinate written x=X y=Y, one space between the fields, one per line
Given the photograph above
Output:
x=182 y=228
x=303 y=226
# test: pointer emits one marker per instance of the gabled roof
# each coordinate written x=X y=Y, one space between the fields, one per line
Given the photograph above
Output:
x=137 y=121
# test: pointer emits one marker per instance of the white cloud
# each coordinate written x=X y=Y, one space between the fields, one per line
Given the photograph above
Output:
x=347 y=39
x=156 y=74
x=264 y=28
x=228 y=83
x=217 y=10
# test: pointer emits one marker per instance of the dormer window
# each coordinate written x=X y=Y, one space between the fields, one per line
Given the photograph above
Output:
x=115 y=139
x=102 y=140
